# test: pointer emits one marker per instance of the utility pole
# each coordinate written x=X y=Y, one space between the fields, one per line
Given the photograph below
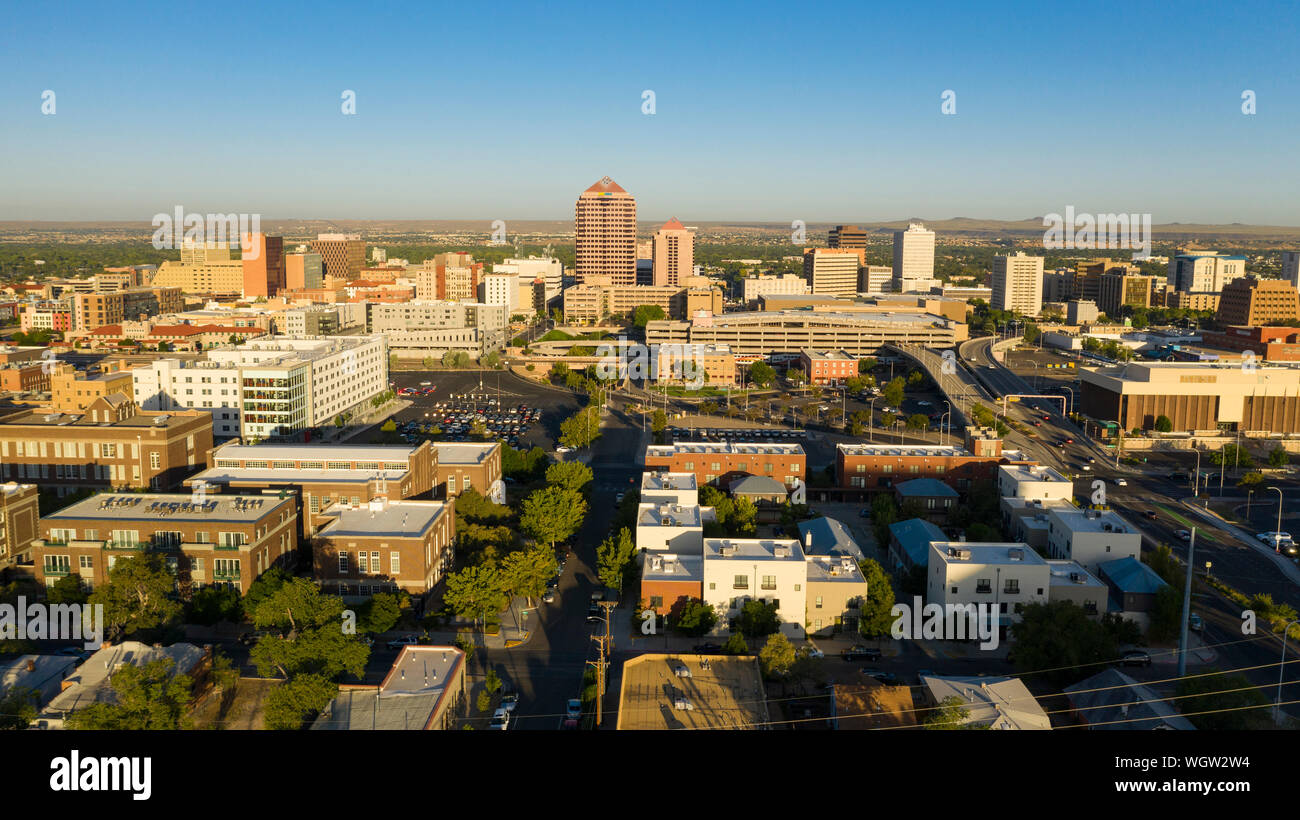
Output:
x=600 y=665
x=1187 y=605
x=608 y=606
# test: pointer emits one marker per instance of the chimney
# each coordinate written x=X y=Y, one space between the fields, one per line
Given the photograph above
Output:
x=31 y=664
x=807 y=539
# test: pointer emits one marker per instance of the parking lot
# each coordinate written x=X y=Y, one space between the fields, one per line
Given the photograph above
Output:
x=445 y=406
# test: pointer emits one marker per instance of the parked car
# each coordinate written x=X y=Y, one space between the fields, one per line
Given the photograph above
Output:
x=814 y=652
x=573 y=709
x=509 y=701
x=549 y=596
x=860 y=653
x=618 y=499
x=1150 y=514
x=706 y=648
x=1135 y=657
x=500 y=720
x=405 y=640
x=1195 y=623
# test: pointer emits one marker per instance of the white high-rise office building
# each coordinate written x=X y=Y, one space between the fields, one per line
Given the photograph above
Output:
x=1204 y=271
x=500 y=289
x=914 y=259
x=1018 y=283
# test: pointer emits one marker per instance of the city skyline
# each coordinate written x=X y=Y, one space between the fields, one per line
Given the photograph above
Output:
x=1039 y=125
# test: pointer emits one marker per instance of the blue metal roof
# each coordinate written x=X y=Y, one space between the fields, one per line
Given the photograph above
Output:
x=926 y=487
x=914 y=536
x=829 y=537
x=1131 y=575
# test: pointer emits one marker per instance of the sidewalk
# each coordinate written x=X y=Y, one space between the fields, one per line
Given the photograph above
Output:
x=1287 y=567
x=516 y=628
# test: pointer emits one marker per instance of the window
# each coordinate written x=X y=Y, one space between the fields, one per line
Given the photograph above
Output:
x=656 y=601
x=1011 y=586
x=61 y=536
x=375 y=566
x=819 y=603
x=225 y=569
x=86 y=562
x=58 y=564
x=983 y=586
x=954 y=590
x=740 y=582
x=363 y=561
x=394 y=563
x=769 y=582
x=155 y=461
x=343 y=563
x=126 y=539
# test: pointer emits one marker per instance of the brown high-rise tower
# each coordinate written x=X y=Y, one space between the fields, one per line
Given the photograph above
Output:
x=605 y=234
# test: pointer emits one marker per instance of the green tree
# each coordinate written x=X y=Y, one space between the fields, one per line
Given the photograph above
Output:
x=777 y=655
x=1250 y=480
x=381 y=613
x=1060 y=638
x=893 y=392
x=1164 y=425
x=296 y=605
x=694 y=617
x=476 y=592
x=294 y=701
x=918 y=421
x=553 y=514
x=582 y=428
x=1278 y=457
x=18 y=708
x=148 y=697
x=796 y=375
x=887 y=419
x=139 y=595
x=951 y=713
x=736 y=645
x=759 y=618
x=874 y=618
x=572 y=475
x=1223 y=701
x=762 y=374
x=614 y=558
x=212 y=605
x=658 y=421
x=525 y=572
x=647 y=313
x=471 y=505
x=67 y=590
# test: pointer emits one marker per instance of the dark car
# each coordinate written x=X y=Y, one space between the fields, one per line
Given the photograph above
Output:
x=1135 y=657
x=883 y=677
x=1150 y=514
x=860 y=653
x=706 y=648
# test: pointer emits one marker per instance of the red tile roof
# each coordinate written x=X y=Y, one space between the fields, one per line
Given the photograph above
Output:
x=673 y=225
x=605 y=185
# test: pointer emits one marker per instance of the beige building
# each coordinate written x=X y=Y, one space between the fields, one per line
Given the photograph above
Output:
x=203 y=269
x=790 y=331
x=605 y=234
x=72 y=391
x=1253 y=302
x=832 y=271
x=716 y=364
x=343 y=255
x=1018 y=283
x=673 y=252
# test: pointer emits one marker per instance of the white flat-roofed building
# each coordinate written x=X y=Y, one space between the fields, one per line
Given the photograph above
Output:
x=1033 y=481
x=1091 y=537
x=666 y=527
x=1005 y=575
x=1071 y=582
x=1025 y=519
x=737 y=570
x=422 y=691
x=669 y=488
x=172 y=384
x=768 y=284
x=764 y=332
x=1018 y=283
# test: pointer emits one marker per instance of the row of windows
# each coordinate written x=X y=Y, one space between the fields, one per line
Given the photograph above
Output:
x=370 y=563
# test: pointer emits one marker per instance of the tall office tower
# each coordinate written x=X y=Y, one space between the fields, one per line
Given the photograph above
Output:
x=832 y=271
x=847 y=236
x=1204 y=271
x=303 y=269
x=913 y=259
x=604 y=234
x=1291 y=267
x=673 y=253
x=263 y=258
x=1018 y=283
x=343 y=255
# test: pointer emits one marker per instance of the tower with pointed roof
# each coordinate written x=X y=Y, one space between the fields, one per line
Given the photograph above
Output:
x=673 y=251
x=604 y=229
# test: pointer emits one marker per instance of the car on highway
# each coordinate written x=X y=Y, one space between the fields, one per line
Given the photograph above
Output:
x=1151 y=514
x=573 y=709
x=1092 y=460
x=1121 y=482
x=1087 y=468
x=1184 y=535
x=1037 y=423
x=1069 y=440
x=1135 y=657
x=1195 y=623
x=1046 y=417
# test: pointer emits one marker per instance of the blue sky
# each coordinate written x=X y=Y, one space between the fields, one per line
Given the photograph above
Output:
x=763 y=111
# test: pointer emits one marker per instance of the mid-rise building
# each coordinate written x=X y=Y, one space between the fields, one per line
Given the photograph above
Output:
x=671 y=528
x=1033 y=481
x=1291 y=267
x=713 y=364
x=914 y=259
x=1119 y=289
x=738 y=570
x=502 y=289
x=875 y=279
x=832 y=271
x=1018 y=283
x=203 y=268
x=343 y=255
x=19 y=519
x=720 y=463
x=752 y=287
x=605 y=234
x=463 y=466
x=112 y=443
x=224 y=541
x=673 y=254
x=878 y=467
x=846 y=236
x=304 y=270
x=1003 y=575
x=72 y=390
x=1081 y=311
x=831 y=367
x=264 y=266
x=1204 y=272
x=430 y=328
x=669 y=488
x=1090 y=537
x=1252 y=302
x=384 y=546
x=548 y=270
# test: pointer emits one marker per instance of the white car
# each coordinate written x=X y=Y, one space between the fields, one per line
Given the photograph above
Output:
x=500 y=720
x=618 y=499
x=563 y=449
x=1121 y=482
x=683 y=705
x=814 y=652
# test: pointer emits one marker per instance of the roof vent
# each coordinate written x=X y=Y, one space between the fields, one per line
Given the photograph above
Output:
x=1016 y=554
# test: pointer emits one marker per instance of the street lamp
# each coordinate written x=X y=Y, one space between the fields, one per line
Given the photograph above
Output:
x=1277 y=707
x=1277 y=539
x=948 y=416
x=871 y=419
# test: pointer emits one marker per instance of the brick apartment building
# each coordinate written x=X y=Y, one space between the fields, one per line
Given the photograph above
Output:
x=872 y=468
x=831 y=367
x=1270 y=344
x=383 y=545
x=19 y=517
x=25 y=377
x=463 y=465
x=225 y=540
x=112 y=444
x=319 y=476
x=719 y=463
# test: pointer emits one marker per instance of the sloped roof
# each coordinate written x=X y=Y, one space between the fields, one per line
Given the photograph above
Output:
x=605 y=185
x=930 y=487
x=673 y=225
x=1000 y=703
x=757 y=485
x=1131 y=575
x=829 y=537
x=1112 y=700
x=914 y=536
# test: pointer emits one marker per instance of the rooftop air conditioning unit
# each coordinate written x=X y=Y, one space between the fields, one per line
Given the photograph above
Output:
x=1016 y=554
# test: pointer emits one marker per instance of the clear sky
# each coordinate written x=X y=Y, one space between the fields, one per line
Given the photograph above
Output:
x=764 y=111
